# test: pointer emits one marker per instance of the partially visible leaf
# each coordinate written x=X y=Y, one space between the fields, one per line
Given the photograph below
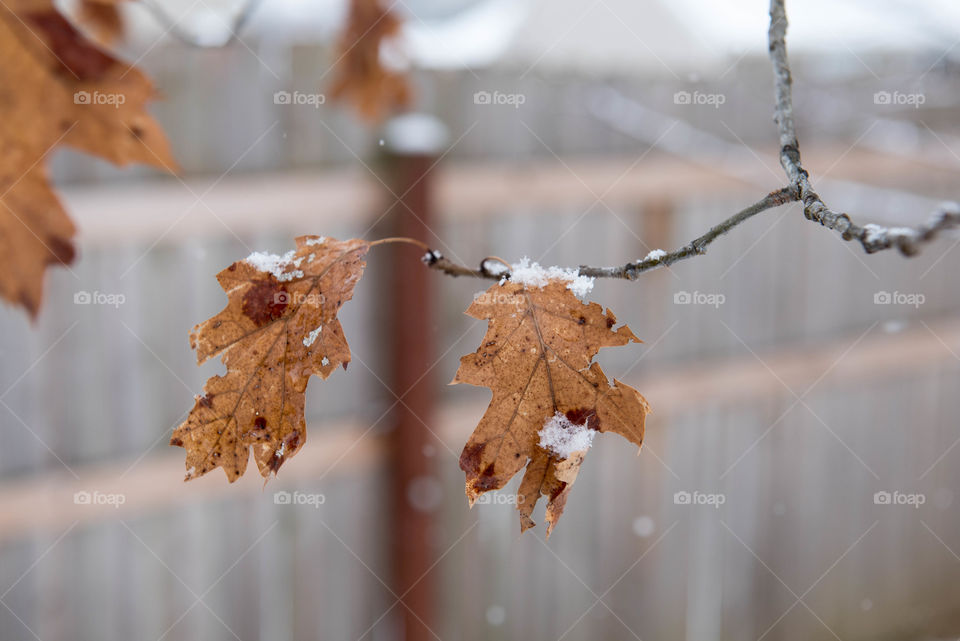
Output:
x=279 y=327
x=102 y=19
x=58 y=88
x=536 y=358
x=361 y=77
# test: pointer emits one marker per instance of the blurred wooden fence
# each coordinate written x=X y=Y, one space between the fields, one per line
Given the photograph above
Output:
x=90 y=394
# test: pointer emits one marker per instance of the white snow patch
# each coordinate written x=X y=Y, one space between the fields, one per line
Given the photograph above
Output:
x=532 y=274
x=875 y=233
x=310 y=338
x=902 y=231
x=656 y=254
x=495 y=267
x=325 y=361
x=276 y=265
x=416 y=133
x=319 y=240
x=563 y=438
x=431 y=257
x=878 y=233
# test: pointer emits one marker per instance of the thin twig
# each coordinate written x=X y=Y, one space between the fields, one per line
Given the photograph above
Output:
x=873 y=238
x=695 y=247
x=494 y=268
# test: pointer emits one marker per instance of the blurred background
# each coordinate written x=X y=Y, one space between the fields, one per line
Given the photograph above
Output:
x=800 y=473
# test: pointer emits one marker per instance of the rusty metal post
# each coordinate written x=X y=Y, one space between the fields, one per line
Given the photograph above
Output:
x=413 y=144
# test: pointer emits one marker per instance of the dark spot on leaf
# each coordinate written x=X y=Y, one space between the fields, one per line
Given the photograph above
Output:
x=485 y=483
x=206 y=400
x=470 y=458
x=292 y=441
x=581 y=320
x=275 y=462
x=487 y=480
x=582 y=416
x=260 y=423
x=557 y=490
x=72 y=53
x=176 y=442
x=610 y=322
x=61 y=251
x=265 y=301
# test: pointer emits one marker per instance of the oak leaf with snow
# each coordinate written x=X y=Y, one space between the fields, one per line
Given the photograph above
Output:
x=279 y=327
x=57 y=88
x=548 y=394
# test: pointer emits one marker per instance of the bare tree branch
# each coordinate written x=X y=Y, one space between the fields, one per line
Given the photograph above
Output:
x=697 y=246
x=493 y=268
x=873 y=238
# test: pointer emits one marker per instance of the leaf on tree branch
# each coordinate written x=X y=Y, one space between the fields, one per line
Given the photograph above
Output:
x=279 y=327
x=361 y=77
x=58 y=88
x=537 y=358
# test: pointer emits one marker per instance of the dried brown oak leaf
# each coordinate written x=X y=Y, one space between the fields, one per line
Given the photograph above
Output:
x=361 y=77
x=57 y=88
x=279 y=327
x=536 y=358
